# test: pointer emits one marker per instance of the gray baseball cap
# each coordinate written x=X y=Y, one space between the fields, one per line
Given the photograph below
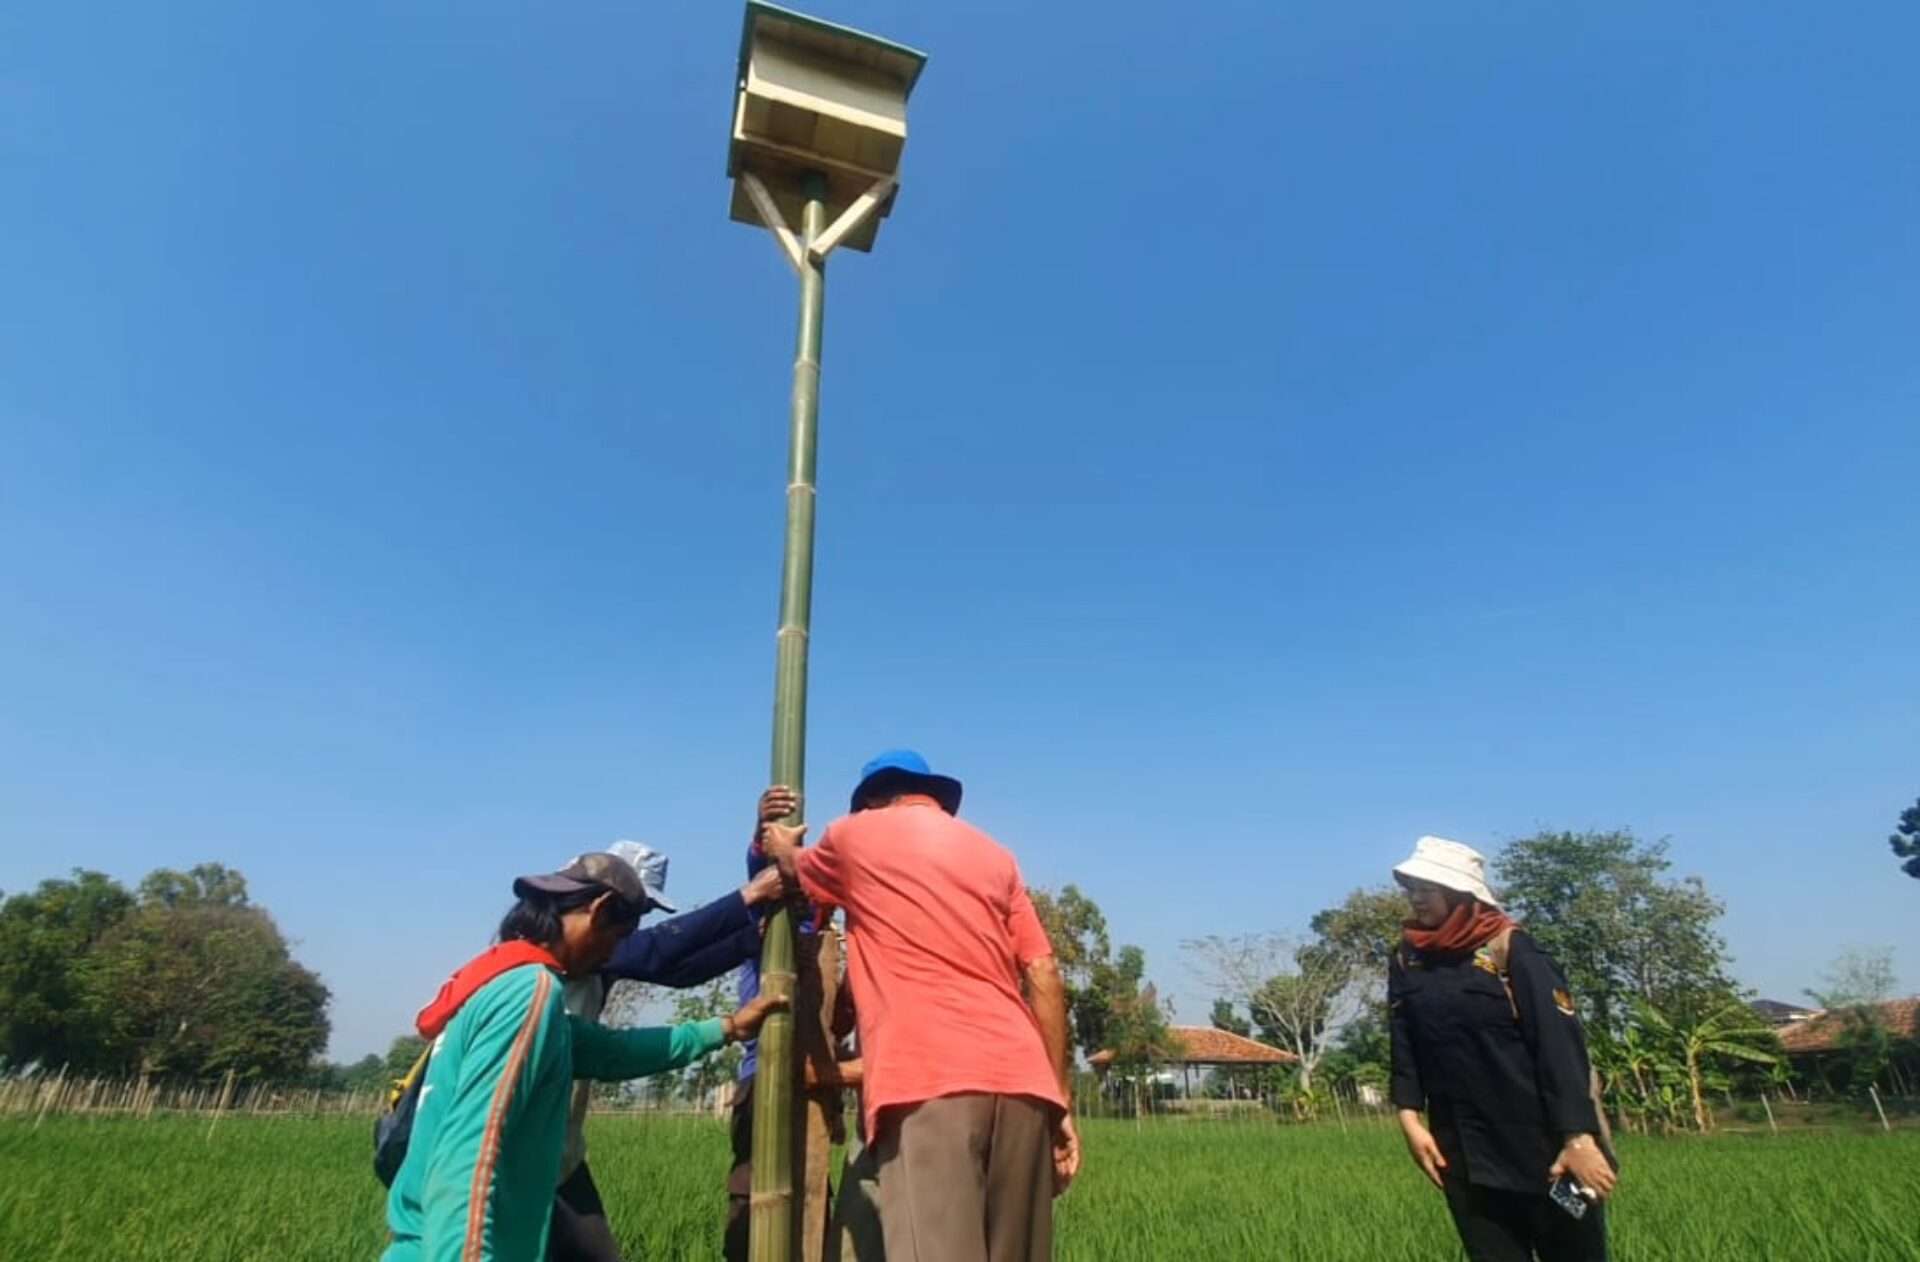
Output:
x=636 y=872
x=596 y=870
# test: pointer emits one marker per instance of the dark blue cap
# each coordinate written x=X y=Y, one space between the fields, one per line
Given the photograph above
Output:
x=904 y=771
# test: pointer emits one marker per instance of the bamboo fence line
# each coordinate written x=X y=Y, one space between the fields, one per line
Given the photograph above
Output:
x=1342 y=1105
x=1354 y=1110
x=62 y=1095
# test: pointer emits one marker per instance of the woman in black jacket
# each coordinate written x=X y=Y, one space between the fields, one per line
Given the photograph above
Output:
x=1486 y=1043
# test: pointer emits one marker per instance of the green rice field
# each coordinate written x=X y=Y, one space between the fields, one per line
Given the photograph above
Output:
x=291 y=1189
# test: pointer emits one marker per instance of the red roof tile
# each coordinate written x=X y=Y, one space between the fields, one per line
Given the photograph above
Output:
x=1204 y=1045
x=1822 y=1033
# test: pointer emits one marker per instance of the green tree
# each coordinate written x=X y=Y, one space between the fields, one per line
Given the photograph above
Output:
x=188 y=978
x=1361 y=932
x=1856 y=986
x=707 y=1075
x=194 y=986
x=1133 y=1025
x=1365 y=928
x=1225 y=1017
x=1091 y=1003
x=1103 y=990
x=1139 y=1037
x=1112 y=1005
x=1077 y=930
x=1362 y=1055
x=45 y=937
x=204 y=884
x=369 y=1073
x=1906 y=841
x=402 y=1053
x=1602 y=905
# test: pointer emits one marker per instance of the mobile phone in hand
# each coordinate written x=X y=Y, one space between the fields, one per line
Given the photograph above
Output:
x=1567 y=1193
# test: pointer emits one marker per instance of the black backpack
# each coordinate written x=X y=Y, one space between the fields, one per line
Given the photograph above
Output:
x=393 y=1130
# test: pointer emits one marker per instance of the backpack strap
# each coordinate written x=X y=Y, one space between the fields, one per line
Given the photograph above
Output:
x=1497 y=947
x=401 y=1086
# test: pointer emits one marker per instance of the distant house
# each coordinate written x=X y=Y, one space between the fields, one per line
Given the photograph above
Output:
x=1773 y=1012
x=1821 y=1032
x=1815 y=1042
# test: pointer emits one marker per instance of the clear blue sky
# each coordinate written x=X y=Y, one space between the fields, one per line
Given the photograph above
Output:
x=1266 y=433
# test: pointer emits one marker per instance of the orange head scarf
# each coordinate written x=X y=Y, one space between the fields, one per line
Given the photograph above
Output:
x=1468 y=927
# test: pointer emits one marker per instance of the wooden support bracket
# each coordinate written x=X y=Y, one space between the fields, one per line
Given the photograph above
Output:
x=850 y=218
x=775 y=221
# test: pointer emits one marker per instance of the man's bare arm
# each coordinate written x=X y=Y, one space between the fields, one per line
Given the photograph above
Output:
x=844 y=1073
x=1047 y=996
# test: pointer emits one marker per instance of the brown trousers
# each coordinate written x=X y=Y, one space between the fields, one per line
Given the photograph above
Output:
x=967 y=1178
x=855 y=1235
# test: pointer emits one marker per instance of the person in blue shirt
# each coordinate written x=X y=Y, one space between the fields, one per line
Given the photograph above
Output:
x=688 y=950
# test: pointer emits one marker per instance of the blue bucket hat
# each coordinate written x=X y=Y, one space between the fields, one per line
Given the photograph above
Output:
x=908 y=771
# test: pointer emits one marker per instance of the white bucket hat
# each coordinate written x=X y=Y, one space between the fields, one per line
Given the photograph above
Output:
x=1451 y=865
x=652 y=867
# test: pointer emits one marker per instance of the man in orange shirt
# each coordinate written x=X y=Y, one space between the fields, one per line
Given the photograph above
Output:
x=962 y=1018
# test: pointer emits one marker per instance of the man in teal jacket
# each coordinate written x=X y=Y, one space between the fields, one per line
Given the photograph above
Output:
x=477 y=1183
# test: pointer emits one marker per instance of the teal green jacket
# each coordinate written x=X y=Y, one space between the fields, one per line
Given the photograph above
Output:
x=477 y=1184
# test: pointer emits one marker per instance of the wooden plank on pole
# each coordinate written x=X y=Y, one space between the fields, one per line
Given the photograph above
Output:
x=820 y=1124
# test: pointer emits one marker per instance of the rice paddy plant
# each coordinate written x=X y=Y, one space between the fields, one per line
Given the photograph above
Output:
x=293 y=1189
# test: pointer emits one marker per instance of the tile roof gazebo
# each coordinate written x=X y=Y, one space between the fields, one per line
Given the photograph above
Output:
x=1210 y=1048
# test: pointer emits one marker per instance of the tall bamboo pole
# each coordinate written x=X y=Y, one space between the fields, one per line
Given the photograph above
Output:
x=774 y=1209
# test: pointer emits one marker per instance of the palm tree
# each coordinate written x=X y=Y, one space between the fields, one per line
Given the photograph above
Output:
x=1731 y=1031
x=1780 y=1078
x=1639 y=1062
